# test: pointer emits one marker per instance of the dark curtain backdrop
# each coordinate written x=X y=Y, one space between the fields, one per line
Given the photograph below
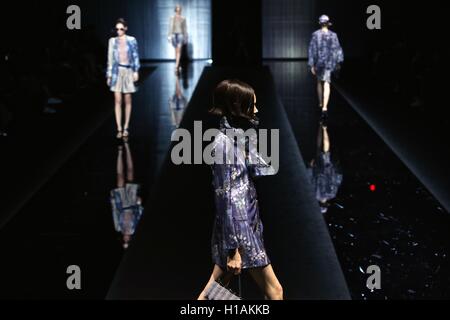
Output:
x=288 y=24
x=287 y=27
x=149 y=23
x=237 y=38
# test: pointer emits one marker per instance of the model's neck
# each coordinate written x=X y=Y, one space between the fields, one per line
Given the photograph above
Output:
x=325 y=29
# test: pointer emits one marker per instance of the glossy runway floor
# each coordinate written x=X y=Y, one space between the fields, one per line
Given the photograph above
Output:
x=170 y=257
x=376 y=210
x=380 y=213
x=69 y=220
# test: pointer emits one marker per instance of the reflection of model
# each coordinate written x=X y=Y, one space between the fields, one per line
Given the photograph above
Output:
x=177 y=104
x=325 y=55
x=323 y=173
x=237 y=241
x=125 y=201
x=123 y=72
x=177 y=34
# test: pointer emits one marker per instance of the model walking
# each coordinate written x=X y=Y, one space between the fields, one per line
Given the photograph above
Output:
x=237 y=241
x=325 y=56
x=177 y=34
x=123 y=72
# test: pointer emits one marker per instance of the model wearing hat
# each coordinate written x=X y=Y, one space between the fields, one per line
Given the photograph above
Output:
x=325 y=56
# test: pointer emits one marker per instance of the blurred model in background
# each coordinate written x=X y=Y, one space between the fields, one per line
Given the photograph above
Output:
x=177 y=34
x=325 y=57
x=122 y=73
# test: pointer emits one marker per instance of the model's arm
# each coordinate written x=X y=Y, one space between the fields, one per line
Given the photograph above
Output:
x=256 y=165
x=115 y=209
x=110 y=59
x=312 y=52
x=184 y=26
x=136 y=60
x=235 y=227
x=235 y=223
x=234 y=262
x=338 y=50
x=169 y=34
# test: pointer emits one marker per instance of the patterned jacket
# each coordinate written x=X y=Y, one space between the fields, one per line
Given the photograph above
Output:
x=325 y=51
x=113 y=57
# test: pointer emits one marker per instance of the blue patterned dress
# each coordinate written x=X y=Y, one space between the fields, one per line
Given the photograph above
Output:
x=237 y=222
x=325 y=54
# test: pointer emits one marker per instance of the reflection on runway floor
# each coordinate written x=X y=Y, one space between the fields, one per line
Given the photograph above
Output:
x=89 y=211
x=381 y=214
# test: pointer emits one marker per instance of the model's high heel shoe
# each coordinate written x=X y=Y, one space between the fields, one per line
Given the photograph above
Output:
x=126 y=133
x=119 y=134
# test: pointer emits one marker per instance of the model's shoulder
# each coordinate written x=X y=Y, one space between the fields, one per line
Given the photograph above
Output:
x=112 y=39
x=315 y=33
x=221 y=137
x=220 y=142
x=131 y=38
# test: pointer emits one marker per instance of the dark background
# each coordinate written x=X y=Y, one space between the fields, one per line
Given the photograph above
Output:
x=41 y=59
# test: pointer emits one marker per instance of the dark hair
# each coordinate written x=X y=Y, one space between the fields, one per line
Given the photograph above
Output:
x=122 y=21
x=234 y=99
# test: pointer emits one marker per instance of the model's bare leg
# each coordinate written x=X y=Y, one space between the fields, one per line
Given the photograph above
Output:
x=216 y=274
x=130 y=166
x=268 y=282
x=326 y=95
x=128 y=102
x=178 y=56
x=320 y=92
x=118 y=110
x=326 y=140
x=119 y=168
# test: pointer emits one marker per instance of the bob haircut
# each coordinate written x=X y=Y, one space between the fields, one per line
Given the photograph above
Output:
x=234 y=99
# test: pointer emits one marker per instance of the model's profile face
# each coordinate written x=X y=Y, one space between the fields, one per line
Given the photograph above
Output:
x=121 y=29
x=255 y=109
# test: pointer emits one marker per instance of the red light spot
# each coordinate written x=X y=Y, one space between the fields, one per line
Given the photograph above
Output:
x=373 y=188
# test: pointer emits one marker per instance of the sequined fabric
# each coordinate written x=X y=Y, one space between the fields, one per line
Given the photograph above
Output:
x=325 y=54
x=237 y=222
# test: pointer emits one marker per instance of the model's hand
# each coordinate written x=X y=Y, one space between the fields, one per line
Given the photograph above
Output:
x=313 y=71
x=169 y=38
x=136 y=77
x=108 y=81
x=234 y=263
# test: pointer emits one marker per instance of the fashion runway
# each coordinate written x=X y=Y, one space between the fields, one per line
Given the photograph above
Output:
x=65 y=216
x=170 y=258
x=380 y=213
